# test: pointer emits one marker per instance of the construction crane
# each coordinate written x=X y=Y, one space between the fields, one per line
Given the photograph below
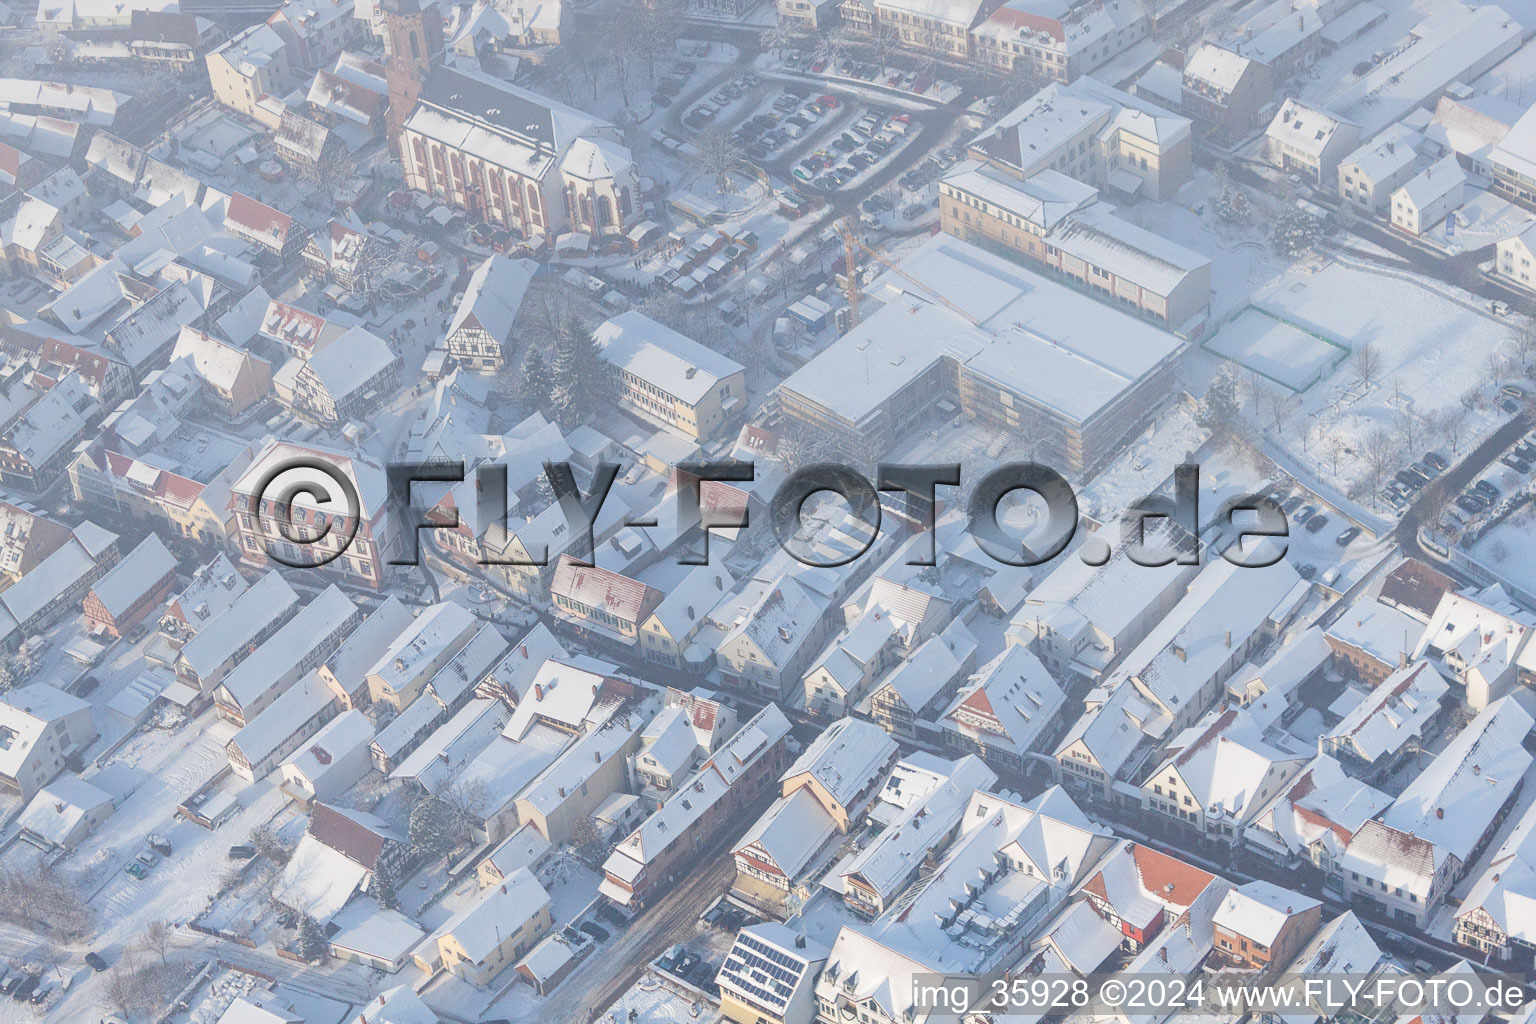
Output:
x=851 y=278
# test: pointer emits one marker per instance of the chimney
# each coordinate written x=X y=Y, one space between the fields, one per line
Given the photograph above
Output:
x=1178 y=651
x=1162 y=953
x=1439 y=813
x=538 y=691
x=524 y=649
x=503 y=888
x=799 y=941
x=1229 y=639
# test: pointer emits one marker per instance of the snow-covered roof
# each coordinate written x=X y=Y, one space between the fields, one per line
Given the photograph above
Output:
x=494 y=296
x=290 y=712
x=1454 y=800
x=1506 y=888
x=130 y=579
x=59 y=808
x=1258 y=910
x=1304 y=128
x=1220 y=68
x=1041 y=199
x=1059 y=349
x=844 y=759
x=891 y=858
x=1010 y=703
x=1223 y=608
x=293 y=642
x=319 y=880
x=500 y=911
x=1394 y=712
x=1322 y=804
x=787 y=835
x=1455 y=42
x=1434 y=182
x=1392 y=150
x=662 y=357
x=351 y=362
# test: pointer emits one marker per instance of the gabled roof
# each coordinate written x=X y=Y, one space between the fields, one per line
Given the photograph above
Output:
x=133 y=577
x=360 y=836
x=1258 y=910
x=844 y=759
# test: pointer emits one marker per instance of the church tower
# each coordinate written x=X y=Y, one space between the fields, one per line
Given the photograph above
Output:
x=415 y=35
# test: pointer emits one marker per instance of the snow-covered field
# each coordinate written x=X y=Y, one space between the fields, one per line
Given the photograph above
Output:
x=1434 y=344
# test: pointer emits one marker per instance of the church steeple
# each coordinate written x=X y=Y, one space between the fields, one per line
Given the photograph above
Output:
x=415 y=34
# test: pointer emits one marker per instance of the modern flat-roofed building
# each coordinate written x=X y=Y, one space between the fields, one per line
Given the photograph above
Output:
x=995 y=339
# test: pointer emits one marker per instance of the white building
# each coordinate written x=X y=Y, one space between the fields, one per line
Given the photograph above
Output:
x=1429 y=196
x=41 y=728
x=1309 y=142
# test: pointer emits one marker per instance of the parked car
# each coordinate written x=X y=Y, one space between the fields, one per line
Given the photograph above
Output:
x=597 y=931
x=1509 y=405
x=159 y=844
x=914 y=211
x=25 y=989
x=684 y=964
x=1291 y=504
x=1487 y=488
x=1316 y=523
x=95 y=962
x=1305 y=512
x=1346 y=535
x=1436 y=461
x=87 y=684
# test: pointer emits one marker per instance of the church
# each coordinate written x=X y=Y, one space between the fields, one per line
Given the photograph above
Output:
x=501 y=153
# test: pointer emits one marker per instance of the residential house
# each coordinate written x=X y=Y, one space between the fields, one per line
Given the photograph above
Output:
x=769 y=975
x=735 y=776
x=1495 y=918
x=41 y=729
x=1429 y=196
x=1142 y=891
x=907 y=701
x=1476 y=642
x=343 y=380
x=1313 y=816
x=1225 y=93
x=1006 y=710
x=330 y=762
x=843 y=768
x=1370 y=175
x=875 y=876
x=492 y=933
x=267 y=740
x=1309 y=142
x=419 y=652
x=1219 y=774
x=299 y=646
x=1261 y=924
x=377 y=531
x=229 y=637
x=133 y=589
x=481 y=327
x=1393 y=721
x=269 y=229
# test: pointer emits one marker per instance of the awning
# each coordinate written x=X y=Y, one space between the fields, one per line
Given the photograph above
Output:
x=1122 y=180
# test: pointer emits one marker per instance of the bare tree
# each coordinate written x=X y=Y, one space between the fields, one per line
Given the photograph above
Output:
x=719 y=155
x=1282 y=404
x=1451 y=424
x=1367 y=362
x=1381 y=453
x=1409 y=425
x=156 y=938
